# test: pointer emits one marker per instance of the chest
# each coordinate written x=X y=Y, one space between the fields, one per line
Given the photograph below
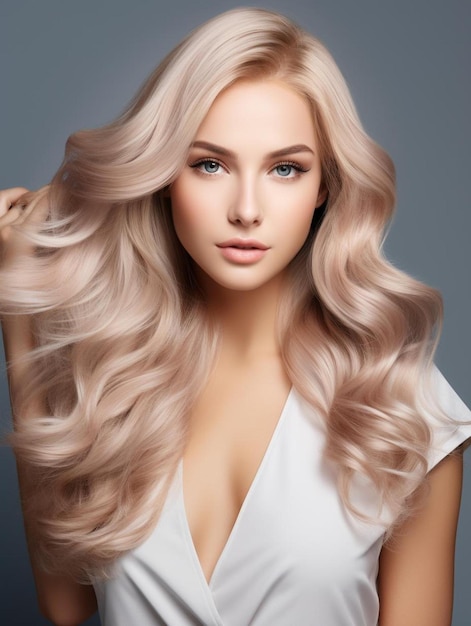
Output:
x=231 y=431
x=293 y=551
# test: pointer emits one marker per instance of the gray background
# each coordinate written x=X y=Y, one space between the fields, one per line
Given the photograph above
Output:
x=67 y=65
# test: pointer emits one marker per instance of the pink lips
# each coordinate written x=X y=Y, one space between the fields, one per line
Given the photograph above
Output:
x=242 y=250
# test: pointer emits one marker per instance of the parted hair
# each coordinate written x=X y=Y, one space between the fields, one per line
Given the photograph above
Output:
x=123 y=345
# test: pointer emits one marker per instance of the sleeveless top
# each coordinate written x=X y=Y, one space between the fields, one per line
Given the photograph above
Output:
x=295 y=555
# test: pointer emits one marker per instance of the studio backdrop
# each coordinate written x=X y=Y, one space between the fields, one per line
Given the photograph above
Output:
x=71 y=65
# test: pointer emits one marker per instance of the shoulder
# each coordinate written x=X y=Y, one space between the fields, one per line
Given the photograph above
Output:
x=447 y=416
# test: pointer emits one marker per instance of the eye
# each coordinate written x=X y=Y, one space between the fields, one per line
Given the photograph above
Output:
x=288 y=170
x=207 y=166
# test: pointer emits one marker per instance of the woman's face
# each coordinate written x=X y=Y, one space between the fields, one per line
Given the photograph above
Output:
x=243 y=204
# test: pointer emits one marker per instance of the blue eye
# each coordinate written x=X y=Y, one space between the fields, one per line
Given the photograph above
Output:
x=206 y=166
x=284 y=170
x=210 y=166
x=288 y=170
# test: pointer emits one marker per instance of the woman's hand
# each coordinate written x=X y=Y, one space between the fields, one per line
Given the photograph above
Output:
x=16 y=206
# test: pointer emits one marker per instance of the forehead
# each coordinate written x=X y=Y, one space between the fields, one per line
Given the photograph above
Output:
x=265 y=110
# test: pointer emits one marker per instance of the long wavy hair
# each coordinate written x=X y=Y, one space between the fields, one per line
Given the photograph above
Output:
x=123 y=345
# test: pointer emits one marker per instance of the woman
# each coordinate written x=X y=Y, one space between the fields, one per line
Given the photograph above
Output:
x=226 y=410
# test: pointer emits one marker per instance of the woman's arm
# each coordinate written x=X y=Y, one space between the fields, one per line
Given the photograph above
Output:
x=61 y=599
x=416 y=570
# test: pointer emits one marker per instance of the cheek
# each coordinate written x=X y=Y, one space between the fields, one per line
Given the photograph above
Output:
x=296 y=222
x=186 y=212
x=298 y=233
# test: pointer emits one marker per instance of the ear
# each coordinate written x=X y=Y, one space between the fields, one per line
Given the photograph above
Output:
x=322 y=195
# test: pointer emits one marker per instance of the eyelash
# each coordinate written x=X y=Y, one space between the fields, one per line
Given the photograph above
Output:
x=206 y=160
x=296 y=166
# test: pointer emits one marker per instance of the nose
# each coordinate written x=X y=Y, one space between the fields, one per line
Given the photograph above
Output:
x=245 y=208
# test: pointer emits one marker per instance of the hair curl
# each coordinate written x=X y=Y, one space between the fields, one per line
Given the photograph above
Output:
x=118 y=320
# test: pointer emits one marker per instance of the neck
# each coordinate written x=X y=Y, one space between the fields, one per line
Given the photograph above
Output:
x=246 y=319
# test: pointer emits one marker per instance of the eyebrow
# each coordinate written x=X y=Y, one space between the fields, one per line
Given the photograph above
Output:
x=206 y=145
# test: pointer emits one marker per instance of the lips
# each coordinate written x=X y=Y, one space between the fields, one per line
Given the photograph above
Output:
x=242 y=251
x=243 y=244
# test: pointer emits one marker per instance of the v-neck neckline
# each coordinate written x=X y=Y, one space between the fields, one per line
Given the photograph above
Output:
x=256 y=479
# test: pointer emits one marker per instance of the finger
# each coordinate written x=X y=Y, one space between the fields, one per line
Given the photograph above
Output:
x=34 y=202
x=9 y=197
x=26 y=205
x=29 y=196
x=10 y=218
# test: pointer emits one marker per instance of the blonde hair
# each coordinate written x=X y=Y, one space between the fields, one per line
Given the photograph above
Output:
x=118 y=318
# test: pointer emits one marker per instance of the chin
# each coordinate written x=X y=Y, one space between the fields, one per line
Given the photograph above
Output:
x=234 y=285
x=237 y=283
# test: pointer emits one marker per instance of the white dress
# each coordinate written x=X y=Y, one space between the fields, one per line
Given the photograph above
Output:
x=294 y=555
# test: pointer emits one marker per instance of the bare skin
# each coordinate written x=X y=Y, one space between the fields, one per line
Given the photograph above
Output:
x=415 y=582
x=233 y=421
x=235 y=416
